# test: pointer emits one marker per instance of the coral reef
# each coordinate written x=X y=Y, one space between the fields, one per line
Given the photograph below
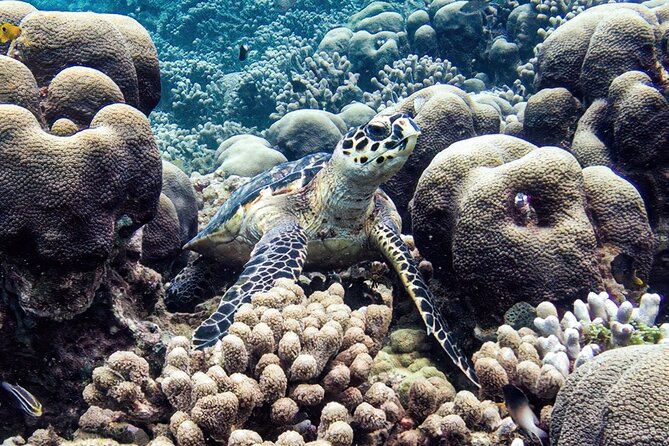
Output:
x=247 y=156
x=284 y=354
x=74 y=197
x=303 y=132
x=498 y=216
x=586 y=53
x=175 y=223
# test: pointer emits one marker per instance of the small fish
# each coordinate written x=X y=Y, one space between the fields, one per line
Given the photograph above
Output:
x=519 y=409
x=9 y=32
x=521 y=200
x=23 y=399
x=623 y=271
x=243 y=52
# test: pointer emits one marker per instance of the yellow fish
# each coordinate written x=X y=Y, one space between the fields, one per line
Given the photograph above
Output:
x=9 y=32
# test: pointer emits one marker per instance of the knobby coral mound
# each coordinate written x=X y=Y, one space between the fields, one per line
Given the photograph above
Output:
x=284 y=354
x=91 y=186
x=117 y=46
x=629 y=147
x=619 y=397
x=585 y=54
x=173 y=226
x=498 y=216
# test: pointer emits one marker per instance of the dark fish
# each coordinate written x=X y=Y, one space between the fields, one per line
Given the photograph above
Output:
x=23 y=399
x=243 y=52
x=622 y=269
x=298 y=86
x=519 y=409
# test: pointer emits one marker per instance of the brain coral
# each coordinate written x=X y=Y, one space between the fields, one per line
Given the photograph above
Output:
x=445 y=115
x=117 y=46
x=619 y=398
x=588 y=52
x=77 y=93
x=504 y=221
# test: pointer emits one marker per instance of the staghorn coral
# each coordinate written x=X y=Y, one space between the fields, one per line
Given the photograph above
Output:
x=539 y=361
x=495 y=215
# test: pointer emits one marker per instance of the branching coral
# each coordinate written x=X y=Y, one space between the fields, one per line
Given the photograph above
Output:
x=285 y=353
x=408 y=75
x=327 y=83
x=539 y=361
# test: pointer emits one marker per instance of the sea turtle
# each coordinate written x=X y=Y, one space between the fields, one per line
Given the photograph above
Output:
x=325 y=210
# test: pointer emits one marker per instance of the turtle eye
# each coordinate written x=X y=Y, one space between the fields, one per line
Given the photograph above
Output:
x=377 y=131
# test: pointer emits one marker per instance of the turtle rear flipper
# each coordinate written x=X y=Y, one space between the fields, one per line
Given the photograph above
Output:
x=389 y=242
x=197 y=282
x=280 y=253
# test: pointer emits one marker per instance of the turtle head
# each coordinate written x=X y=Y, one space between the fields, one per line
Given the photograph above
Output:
x=378 y=149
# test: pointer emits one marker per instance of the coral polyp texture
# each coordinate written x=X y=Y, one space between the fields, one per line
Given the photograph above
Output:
x=585 y=54
x=284 y=354
x=504 y=221
x=118 y=47
x=591 y=407
x=445 y=114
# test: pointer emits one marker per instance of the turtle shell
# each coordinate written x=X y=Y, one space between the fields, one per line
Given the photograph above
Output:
x=296 y=174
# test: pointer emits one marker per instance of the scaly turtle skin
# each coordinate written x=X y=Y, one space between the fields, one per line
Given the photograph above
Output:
x=322 y=210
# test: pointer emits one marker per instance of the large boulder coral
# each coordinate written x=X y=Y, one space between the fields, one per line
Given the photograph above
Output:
x=77 y=93
x=302 y=132
x=247 y=156
x=619 y=398
x=503 y=221
x=445 y=114
x=585 y=54
x=627 y=131
x=66 y=200
x=118 y=47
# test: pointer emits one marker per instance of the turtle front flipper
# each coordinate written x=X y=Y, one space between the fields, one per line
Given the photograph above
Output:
x=280 y=253
x=387 y=237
